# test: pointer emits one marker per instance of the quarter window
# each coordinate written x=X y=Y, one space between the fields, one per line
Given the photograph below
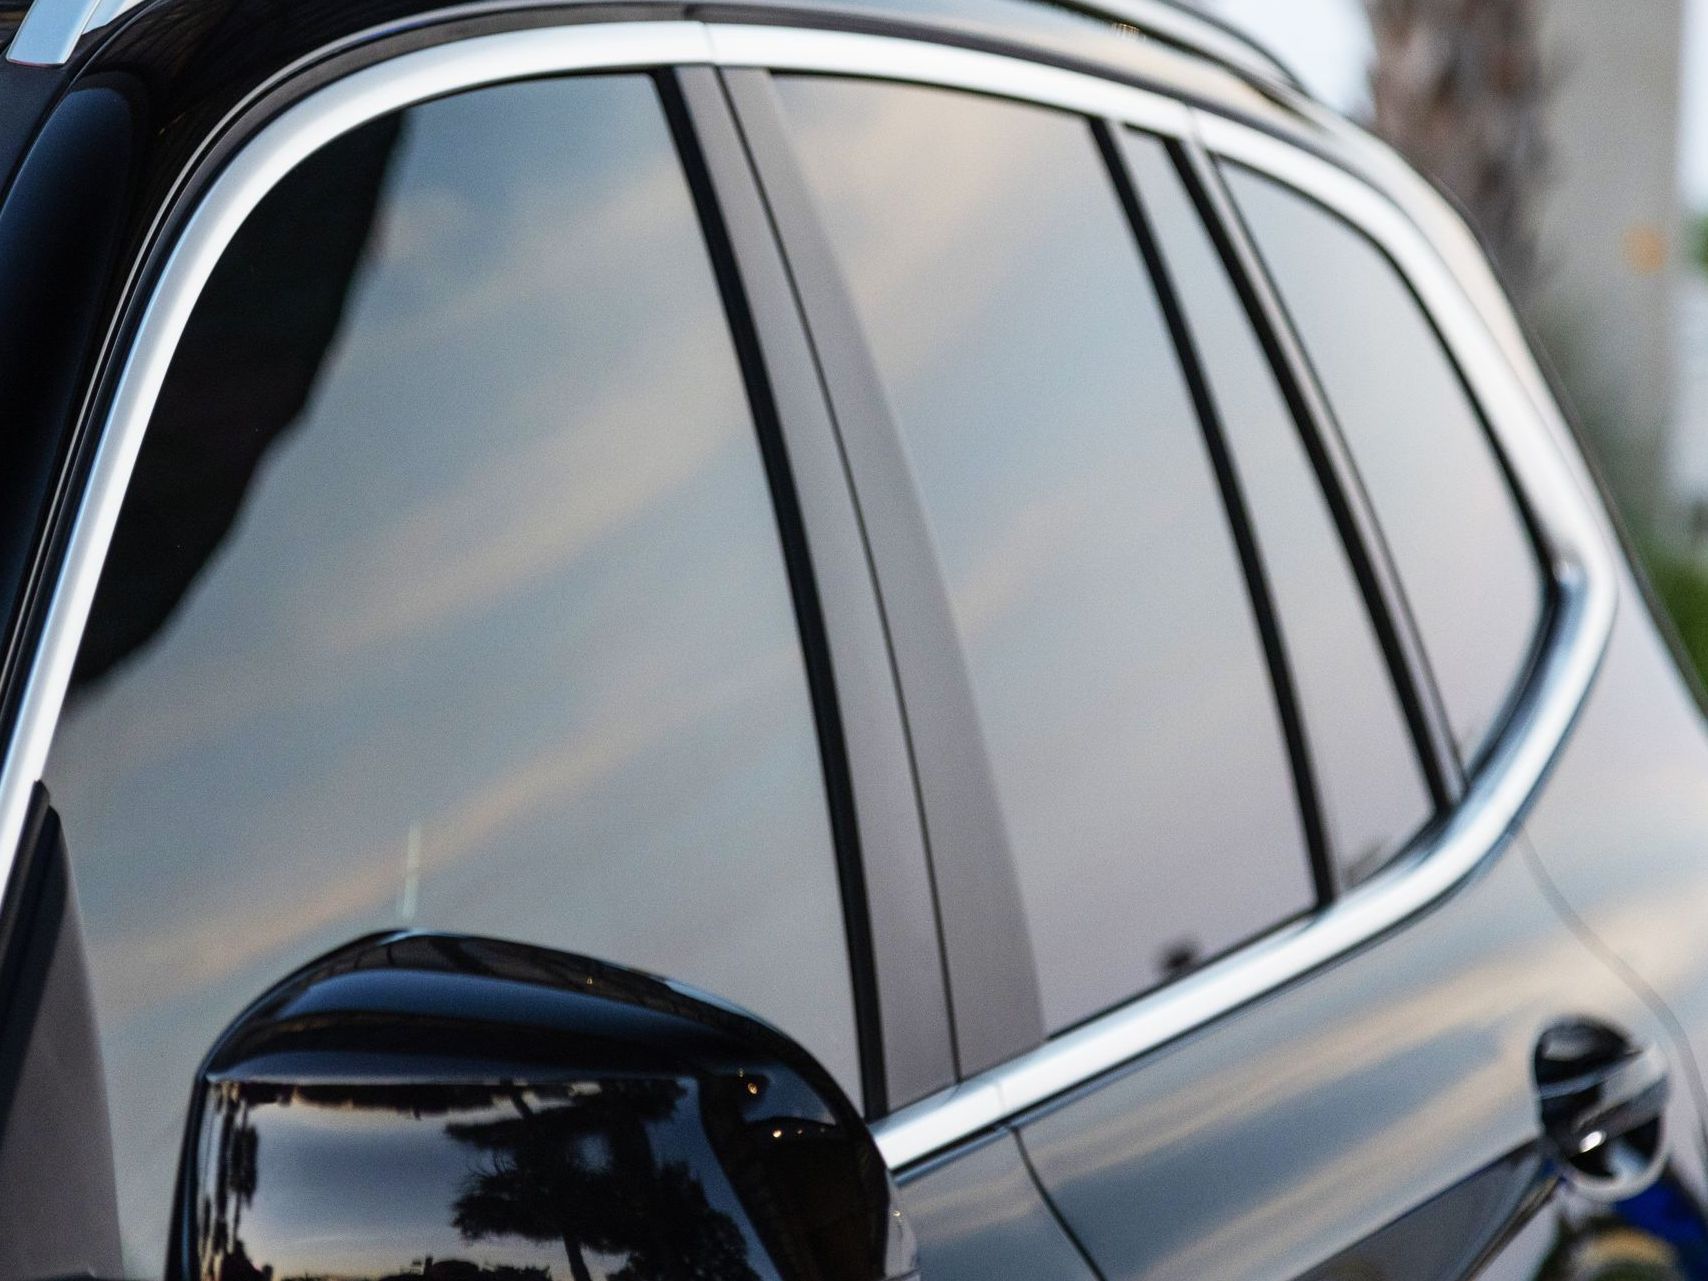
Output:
x=447 y=594
x=1365 y=761
x=1467 y=563
x=1116 y=666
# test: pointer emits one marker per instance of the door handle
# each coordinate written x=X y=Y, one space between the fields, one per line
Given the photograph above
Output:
x=1603 y=1099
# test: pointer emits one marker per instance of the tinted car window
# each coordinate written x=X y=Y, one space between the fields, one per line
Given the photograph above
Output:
x=1366 y=766
x=1116 y=667
x=1467 y=563
x=447 y=594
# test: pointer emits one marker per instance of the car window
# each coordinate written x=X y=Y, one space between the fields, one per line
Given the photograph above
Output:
x=1116 y=666
x=447 y=594
x=1465 y=559
x=1373 y=794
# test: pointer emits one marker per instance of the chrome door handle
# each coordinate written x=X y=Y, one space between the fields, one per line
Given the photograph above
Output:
x=1603 y=1099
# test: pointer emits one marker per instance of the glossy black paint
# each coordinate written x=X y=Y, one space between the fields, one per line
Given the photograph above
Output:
x=59 y=241
x=1308 y=1132
x=58 y=1214
x=1269 y=1143
x=1513 y=1221
x=454 y=1108
x=1620 y=835
x=979 y=1216
x=1455 y=1234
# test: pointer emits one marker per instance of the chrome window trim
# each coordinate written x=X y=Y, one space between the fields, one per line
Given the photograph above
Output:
x=1578 y=548
x=895 y=58
x=1575 y=538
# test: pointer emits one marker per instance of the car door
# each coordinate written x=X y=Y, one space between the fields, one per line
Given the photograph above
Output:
x=1245 y=951
x=446 y=564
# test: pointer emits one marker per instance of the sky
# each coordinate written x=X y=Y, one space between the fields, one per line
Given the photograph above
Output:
x=1327 y=44
x=1693 y=145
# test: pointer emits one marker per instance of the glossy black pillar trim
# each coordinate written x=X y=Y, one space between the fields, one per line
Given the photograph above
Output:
x=32 y=911
x=907 y=1049
x=1533 y=531
x=1349 y=504
x=993 y=983
x=1306 y=792
x=1544 y=627
x=691 y=142
x=52 y=1088
x=62 y=225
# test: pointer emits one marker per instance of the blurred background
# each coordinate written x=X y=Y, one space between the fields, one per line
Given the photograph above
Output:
x=1574 y=134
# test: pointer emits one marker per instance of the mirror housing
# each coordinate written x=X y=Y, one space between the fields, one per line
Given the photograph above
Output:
x=463 y=1109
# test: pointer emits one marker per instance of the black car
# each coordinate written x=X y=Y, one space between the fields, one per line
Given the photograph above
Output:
x=999 y=536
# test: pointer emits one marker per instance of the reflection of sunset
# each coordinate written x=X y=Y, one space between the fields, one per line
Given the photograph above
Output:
x=1116 y=669
x=349 y=1186
x=510 y=580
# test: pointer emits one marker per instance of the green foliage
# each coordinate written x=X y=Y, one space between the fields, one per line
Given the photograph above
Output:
x=1699 y=242
x=1681 y=584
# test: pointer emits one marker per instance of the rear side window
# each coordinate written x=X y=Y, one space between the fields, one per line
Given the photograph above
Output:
x=448 y=593
x=1468 y=565
x=1116 y=665
x=1365 y=761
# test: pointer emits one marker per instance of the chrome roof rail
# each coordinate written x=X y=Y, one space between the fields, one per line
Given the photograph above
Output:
x=51 y=29
x=1194 y=28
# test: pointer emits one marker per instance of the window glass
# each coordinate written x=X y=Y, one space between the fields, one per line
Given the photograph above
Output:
x=447 y=594
x=1465 y=559
x=1367 y=772
x=1115 y=662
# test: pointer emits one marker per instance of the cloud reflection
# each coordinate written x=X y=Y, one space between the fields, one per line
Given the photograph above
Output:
x=511 y=582
x=1115 y=663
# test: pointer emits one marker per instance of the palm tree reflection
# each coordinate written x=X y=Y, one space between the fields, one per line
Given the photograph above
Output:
x=584 y=1172
x=219 y=1241
x=574 y=1165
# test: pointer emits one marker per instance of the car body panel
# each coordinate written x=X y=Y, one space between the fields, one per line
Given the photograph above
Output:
x=979 y=1214
x=1621 y=831
x=1269 y=1142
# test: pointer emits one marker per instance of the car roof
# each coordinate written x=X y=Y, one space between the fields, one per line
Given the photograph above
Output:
x=201 y=60
x=195 y=77
x=48 y=31
x=1163 y=43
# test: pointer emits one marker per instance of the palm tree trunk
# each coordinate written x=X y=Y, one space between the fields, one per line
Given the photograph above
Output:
x=578 y=1269
x=1459 y=87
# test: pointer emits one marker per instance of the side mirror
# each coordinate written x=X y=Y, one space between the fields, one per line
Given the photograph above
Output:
x=463 y=1109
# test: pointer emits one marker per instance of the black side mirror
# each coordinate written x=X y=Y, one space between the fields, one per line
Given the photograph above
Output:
x=468 y=1110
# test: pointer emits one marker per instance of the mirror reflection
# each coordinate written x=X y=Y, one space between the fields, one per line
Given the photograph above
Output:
x=602 y=1180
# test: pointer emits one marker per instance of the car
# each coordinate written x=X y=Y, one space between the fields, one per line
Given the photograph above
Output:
x=822 y=640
